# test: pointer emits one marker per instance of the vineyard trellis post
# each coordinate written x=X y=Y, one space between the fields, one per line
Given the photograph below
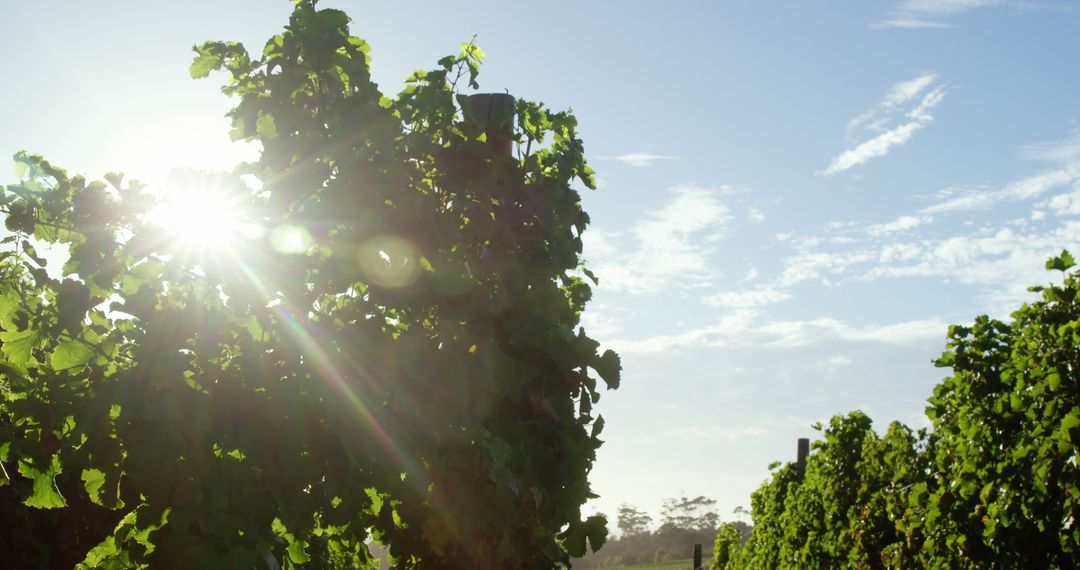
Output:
x=494 y=112
x=800 y=457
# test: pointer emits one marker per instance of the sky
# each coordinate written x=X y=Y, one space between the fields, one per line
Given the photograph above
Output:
x=796 y=198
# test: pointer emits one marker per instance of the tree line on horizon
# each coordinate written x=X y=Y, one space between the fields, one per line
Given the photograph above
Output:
x=683 y=522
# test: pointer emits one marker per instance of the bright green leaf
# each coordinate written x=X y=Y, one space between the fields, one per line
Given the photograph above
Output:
x=18 y=346
x=204 y=63
x=93 y=480
x=70 y=354
x=45 y=495
x=9 y=305
x=1062 y=262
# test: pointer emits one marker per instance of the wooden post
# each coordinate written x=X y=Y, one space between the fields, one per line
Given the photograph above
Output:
x=697 y=557
x=800 y=458
x=494 y=112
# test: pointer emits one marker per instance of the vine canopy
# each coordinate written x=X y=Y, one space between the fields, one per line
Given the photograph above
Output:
x=387 y=348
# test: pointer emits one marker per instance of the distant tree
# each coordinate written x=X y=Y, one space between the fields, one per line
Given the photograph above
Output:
x=689 y=514
x=633 y=521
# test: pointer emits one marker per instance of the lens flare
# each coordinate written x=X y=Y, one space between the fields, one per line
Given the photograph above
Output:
x=290 y=239
x=390 y=261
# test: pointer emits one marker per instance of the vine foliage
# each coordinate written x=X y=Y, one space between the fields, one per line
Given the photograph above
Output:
x=397 y=358
x=994 y=483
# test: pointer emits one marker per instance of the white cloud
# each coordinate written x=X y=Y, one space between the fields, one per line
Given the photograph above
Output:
x=1065 y=152
x=932 y=7
x=916 y=14
x=873 y=148
x=1064 y=204
x=747 y=299
x=908 y=24
x=669 y=248
x=755 y=215
x=805 y=266
x=801 y=333
x=905 y=91
x=738 y=329
x=639 y=159
x=603 y=321
x=899 y=224
x=921 y=113
x=878 y=117
x=887 y=112
x=729 y=327
x=839 y=360
x=1022 y=189
x=899 y=252
x=999 y=263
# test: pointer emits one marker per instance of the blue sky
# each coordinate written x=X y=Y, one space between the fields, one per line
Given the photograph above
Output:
x=796 y=197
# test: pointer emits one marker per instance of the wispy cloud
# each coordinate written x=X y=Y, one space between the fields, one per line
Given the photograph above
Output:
x=669 y=248
x=873 y=148
x=907 y=90
x=755 y=215
x=893 y=122
x=908 y=24
x=1066 y=151
x=942 y=7
x=747 y=299
x=900 y=224
x=918 y=14
x=1022 y=189
x=999 y=257
x=881 y=114
x=639 y=159
x=740 y=329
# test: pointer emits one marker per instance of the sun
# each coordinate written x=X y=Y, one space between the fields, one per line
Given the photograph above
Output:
x=199 y=214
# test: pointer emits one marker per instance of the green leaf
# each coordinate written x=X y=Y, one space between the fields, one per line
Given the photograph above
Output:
x=598 y=426
x=204 y=63
x=70 y=354
x=1053 y=380
x=473 y=51
x=574 y=539
x=596 y=530
x=15 y=374
x=18 y=347
x=1062 y=262
x=1071 y=421
x=609 y=367
x=21 y=169
x=45 y=495
x=265 y=126
x=9 y=305
x=93 y=480
x=297 y=550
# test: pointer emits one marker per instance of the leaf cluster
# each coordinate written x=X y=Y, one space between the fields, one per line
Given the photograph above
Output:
x=414 y=373
x=993 y=484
